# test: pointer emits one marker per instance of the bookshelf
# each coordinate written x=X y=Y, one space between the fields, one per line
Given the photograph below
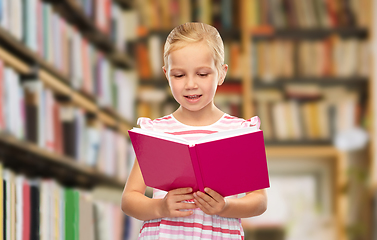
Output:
x=73 y=81
x=73 y=13
x=25 y=61
x=286 y=24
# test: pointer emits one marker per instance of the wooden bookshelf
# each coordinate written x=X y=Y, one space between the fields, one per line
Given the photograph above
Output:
x=127 y=4
x=84 y=175
x=58 y=81
x=307 y=33
x=39 y=162
x=21 y=51
x=302 y=143
x=306 y=149
x=358 y=82
x=72 y=12
x=28 y=157
x=32 y=160
x=112 y=120
x=298 y=150
x=226 y=34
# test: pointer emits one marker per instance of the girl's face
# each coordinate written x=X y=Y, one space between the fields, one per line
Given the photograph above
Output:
x=193 y=77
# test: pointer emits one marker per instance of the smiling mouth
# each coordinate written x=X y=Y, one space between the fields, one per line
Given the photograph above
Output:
x=193 y=96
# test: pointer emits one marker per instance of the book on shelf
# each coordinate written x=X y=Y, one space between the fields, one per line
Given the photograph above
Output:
x=86 y=216
x=33 y=113
x=165 y=15
x=314 y=14
x=302 y=117
x=43 y=209
x=40 y=32
x=34 y=209
x=229 y=162
x=328 y=57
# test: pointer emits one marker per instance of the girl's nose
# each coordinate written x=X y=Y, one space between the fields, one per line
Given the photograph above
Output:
x=191 y=83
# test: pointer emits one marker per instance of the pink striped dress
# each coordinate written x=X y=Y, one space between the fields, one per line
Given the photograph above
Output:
x=199 y=225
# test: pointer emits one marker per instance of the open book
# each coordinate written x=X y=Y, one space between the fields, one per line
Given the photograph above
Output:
x=229 y=162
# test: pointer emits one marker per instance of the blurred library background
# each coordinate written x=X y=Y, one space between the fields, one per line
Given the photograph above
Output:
x=76 y=74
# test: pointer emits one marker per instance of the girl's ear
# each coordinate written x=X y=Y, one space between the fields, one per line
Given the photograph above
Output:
x=165 y=72
x=223 y=72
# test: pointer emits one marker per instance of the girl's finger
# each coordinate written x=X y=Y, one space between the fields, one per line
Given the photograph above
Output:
x=203 y=199
x=180 y=191
x=200 y=205
x=186 y=206
x=207 y=198
x=215 y=195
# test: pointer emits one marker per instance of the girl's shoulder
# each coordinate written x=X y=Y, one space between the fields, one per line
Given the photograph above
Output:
x=147 y=123
x=237 y=122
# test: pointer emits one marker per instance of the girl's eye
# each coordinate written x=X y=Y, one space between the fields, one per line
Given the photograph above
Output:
x=203 y=74
x=179 y=76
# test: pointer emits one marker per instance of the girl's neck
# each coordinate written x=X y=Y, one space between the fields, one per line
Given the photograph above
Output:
x=198 y=118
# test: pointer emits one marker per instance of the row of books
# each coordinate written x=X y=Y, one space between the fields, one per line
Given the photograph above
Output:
x=307 y=14
x=39 y=27
x=30 y=111
x=112 y=88
x=149 y=57
x=34 y=208
x=164 y=15
x=109 y=17
x=331 y=57
x=35 y=21
x=337 y=111
x=100 y=12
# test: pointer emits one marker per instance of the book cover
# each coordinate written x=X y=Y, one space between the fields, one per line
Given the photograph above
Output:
x=34 y=209
x=72 y=214
x=229 y=162
x=68 y=121
x=26 y=210
x=86 y=218
x=19 y=202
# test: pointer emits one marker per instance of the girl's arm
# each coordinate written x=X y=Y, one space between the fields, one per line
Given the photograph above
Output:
x=253 y=204
x=136 y=204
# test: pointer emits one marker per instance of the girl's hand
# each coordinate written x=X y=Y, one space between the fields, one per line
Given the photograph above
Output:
x=172 y=203
x=211 y=203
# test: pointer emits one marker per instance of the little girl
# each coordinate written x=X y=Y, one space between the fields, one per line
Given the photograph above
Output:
x=194 y=67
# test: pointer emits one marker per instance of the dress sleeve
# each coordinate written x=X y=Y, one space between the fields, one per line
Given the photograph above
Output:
x=253 y=122
x=145 y=123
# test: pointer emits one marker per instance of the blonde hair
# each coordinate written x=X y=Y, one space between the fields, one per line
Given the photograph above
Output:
x=194 y=32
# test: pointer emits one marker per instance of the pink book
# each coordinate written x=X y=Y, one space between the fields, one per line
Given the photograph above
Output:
x=229 y=162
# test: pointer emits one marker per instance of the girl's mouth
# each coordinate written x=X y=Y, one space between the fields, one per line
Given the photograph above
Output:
x=193 y=97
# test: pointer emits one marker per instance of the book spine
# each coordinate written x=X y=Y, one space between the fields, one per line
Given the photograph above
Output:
x=196 y=166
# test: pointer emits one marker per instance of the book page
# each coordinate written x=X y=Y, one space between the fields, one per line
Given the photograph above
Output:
x=161 y=135
x=209 y=138
x=226 y=134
